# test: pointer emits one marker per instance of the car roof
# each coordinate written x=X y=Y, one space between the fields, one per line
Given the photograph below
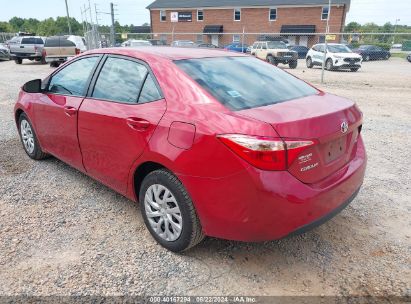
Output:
x=165 y=52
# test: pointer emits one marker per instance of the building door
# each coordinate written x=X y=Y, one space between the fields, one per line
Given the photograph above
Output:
x=214 y=40
x=303 y=40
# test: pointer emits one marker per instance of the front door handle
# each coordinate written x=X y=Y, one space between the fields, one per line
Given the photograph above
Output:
x=70 y=111
x=138 y=124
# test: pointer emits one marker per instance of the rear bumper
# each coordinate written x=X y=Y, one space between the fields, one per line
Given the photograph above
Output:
x=256 y=205
x=25 y=56
x=56 y=59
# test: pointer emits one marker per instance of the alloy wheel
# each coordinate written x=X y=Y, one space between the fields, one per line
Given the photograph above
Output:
x=27 y=136
x=163 y=212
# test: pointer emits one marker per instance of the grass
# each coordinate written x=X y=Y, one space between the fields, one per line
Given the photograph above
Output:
x=399 y=55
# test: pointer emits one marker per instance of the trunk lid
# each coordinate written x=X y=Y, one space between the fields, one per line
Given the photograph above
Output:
x=322 y=118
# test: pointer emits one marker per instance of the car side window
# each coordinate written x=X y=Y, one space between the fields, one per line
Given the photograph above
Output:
x=72 y=79
x=150 y=91
x=120 y=80
x=264 y=46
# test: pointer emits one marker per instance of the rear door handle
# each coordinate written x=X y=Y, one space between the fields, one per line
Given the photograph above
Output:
x=138 y=124
x=70 y=111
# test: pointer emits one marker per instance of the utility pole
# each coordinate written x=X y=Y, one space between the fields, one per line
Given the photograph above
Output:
x=112 y=30
x=68 y=18
x=395 y=30
x=327 y=30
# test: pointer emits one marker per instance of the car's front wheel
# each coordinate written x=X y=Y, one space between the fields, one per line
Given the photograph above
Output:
x=293 y=64
x=329 y=65
x=29 y=139
x=272 y=60
x=354 y=69
x=309 y=62
x=168 y=211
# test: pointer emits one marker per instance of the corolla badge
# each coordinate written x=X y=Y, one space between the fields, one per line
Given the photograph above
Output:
x=344 y=127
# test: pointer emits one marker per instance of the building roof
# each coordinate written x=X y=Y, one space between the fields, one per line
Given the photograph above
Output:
x=237 y=3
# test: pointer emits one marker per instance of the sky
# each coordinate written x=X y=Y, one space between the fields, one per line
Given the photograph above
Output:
x=135 y=12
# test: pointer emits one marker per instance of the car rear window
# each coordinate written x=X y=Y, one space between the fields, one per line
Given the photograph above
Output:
x=32 y=40
x=244 y=82
x=66 y=43
x=52 y=42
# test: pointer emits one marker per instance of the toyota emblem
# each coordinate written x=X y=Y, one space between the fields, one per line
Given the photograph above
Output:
x=344 y=127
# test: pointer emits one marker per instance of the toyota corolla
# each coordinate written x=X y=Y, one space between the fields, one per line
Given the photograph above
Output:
x=210 y=143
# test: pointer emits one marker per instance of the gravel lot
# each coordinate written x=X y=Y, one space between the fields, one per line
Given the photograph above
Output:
x=62 y=233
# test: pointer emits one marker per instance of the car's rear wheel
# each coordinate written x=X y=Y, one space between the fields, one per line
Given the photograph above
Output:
x=29 y=139
x=168 y=211
x=309 y=62
x=18 y=61
x=293 y=64
x=329 y=65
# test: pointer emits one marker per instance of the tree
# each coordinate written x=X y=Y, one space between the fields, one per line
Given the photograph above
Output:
x=352 y=27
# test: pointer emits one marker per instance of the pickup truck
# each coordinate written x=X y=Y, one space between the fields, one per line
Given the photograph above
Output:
x=26 y=47
x=59 y=49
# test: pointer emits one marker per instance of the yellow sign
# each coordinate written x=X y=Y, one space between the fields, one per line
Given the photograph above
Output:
x=331 y=37
x=123 y=35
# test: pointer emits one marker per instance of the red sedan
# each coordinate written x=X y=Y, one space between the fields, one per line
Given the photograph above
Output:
x=209 y=142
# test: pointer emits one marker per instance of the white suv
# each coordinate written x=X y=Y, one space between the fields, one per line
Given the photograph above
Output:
x=338 y=56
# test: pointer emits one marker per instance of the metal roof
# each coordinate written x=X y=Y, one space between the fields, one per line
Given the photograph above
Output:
x=237 y=3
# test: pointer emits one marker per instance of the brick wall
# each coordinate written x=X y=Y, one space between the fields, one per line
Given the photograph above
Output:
x=253 y=20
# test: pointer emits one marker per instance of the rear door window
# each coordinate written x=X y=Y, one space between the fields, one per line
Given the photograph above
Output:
x=120 y=80
x=66 y=43
x=52 y=42
x=223 y=77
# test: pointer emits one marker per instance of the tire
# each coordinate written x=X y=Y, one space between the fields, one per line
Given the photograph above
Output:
x=18 y=61
x=329 y=65
x=163 y=182
x=272 y=60
x=354 y=69
x=387 y=56
x=293 y=64
x=29 y=139
x=309 y=63
x=409 y=58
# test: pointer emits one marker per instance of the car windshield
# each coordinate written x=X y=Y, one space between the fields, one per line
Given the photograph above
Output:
x=364 y=47
x=276 y=45
x=224 y=78
x=338 y=49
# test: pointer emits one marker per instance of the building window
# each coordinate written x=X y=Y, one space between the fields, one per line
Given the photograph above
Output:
x=324 y=13
x=163 y=16
x=200 y=15
x=237 y=14
x=199 y=38
x=236 y=38
x=273 y=14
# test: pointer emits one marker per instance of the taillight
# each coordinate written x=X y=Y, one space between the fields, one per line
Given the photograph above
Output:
x=77 y=51
x=266 y=153
x=35 y=48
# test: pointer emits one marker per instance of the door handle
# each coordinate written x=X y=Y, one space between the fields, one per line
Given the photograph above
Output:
x=138 y=124
x=70 y=111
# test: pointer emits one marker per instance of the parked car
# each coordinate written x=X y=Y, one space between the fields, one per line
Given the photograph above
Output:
x=300 y=49
x=372 y=52
x=59 y=49
x=409 y=57
x=338 y=56
x=237 y=47
x=157 y=42
x=206 y=154
x=4 y=52
x=183 y=43
x=26 y=47
x=79 y=41
x=135 y=43
x=207 y=45
x=275 y=52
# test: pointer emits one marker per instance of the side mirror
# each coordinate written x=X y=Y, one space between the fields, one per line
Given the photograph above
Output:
x=33 y=86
